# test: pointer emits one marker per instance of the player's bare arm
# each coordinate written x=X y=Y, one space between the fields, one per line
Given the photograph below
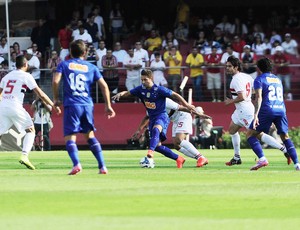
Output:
x=240 y=97
x=106 y=96
x=45 y=99
x=182 y=101
x=257 y=104
x=121 y=94
x=55 y=87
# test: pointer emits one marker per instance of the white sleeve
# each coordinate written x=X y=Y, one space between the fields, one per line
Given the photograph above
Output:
x=170 y=104
x=30 y=82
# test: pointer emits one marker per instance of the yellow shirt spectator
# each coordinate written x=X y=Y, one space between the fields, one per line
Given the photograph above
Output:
x=153 y=43
x=172 y=59
x=195 y=61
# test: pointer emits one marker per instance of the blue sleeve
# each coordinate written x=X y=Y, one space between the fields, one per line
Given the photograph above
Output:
x=135 y=91
x=257 y=83
x=164 y=91
x=97 y=74
x=59 y=68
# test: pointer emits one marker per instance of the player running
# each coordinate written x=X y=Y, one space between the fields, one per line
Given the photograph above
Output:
x=269 y=108
x=154 y=99
x=78 y=75
x=181 y=129
x=241 y=91
x=12 y=89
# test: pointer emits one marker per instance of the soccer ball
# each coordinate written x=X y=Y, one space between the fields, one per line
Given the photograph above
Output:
x=147 y=162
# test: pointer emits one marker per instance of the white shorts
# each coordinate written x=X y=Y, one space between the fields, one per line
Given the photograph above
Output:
x=132 y=83
x=160 y=80
x=17 y=116
x=183 y=124
x=213 y=80
x=242 y=118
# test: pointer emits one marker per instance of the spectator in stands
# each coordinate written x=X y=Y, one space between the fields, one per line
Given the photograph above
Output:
x=3 y=68
x=75 y=20
x=238 y=28
x=116 y=22
x=12 y=64
x=169 y=38
x=248 y=60
x=212 y=61
x=207 y=47
x=64 y=39
x=118 y=52
x=202 y=129
x=238 y=44
x=268 y=46
x=274 y=45
x=110 y=73
x=133 y=65
x=100 y=52
x=83 y=35
x=181 y=32
x=53 y=61
x=173 y=59
x=17 y=49
x=154 y=41
x=257 y=30
x=290 y=45
x=183 y=13
x=225 y=26
x=147 y=26
x=4 y=48
x=199 y=42
x=92 y=29
x=76 y=29
x=275 y=36
x=195 y=61
x=219 y=37
x=91 y=55
x=33 y=65
x=281 y=62
x=208 y=21
x=100 y=22
x=141 y=54
x=258 y=46
x=41 y=35
x=158 y=67
x=36 y=51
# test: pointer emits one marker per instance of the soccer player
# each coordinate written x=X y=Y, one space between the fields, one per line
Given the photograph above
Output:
x=269 y=108
x=181 y=129
x=241 y=91
x=78 y=75
x=12 y=89
x=154 y=99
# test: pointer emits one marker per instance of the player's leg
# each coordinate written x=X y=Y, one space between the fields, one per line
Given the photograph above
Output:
x=235 y=139
x=96 y=149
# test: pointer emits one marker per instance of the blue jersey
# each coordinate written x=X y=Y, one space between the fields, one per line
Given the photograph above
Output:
x=154 y=99
x=272 y=94
x=78 y=76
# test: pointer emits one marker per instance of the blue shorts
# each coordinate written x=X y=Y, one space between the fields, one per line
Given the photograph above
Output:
x=78 y=119
x=162 y=120
x=265 y=122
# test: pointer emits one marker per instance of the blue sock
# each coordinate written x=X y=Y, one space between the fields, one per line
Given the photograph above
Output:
x=96 y=149
x=256 y=146
x=166 y=152
x=291 y=150
x=154 y=138
x=73 y=152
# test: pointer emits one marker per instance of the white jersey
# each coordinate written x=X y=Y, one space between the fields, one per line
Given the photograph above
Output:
x=14 y=85
x=182 y=121
x=242 y=83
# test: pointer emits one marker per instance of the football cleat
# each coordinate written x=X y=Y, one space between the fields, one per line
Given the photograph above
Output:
x=234 y=162
x=202 y=161
x=25 y=161
x=297 y=167
x=259 y=164
x=288 y=158
x=103 y=170
x=180 y=161
x=76 y=169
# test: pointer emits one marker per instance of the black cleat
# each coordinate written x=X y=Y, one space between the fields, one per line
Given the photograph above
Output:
x=234 y=162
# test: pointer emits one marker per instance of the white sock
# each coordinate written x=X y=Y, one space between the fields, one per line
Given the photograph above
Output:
x=236 y=142
x=28 y=143
x=273 y=142
x=188 y=149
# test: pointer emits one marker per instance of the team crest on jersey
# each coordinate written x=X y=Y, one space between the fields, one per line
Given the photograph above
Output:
x=148 y=94
x=150 y=105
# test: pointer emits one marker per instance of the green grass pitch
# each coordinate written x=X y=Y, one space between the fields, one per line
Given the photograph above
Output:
x=129 y=197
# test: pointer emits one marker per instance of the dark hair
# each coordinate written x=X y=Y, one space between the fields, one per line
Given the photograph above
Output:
x=264 y=65
x=235 y=62
x=4 y=62
x=77 y=48
x=147 y=72
x=156 y=54
x=20 y=61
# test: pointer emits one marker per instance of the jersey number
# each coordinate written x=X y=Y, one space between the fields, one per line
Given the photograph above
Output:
x=77 y=82
x=275 y=93
x=10 y=86
x=248 y=89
